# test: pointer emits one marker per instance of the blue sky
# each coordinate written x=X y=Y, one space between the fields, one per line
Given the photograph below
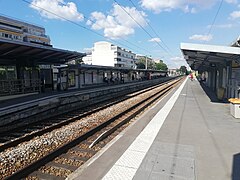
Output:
x=126 y=23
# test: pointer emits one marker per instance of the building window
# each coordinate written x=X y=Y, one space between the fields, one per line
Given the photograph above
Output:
x=119 y=54
x=117 y=59
x=118 y=65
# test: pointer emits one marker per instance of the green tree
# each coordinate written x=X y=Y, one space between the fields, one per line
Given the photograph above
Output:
x=161 y=66
x=141 y=63
x=151 y=65
x=183 y=70
x=78 y=61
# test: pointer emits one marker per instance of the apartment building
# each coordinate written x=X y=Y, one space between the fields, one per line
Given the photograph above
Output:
x=107 y=54
x=15 y=30
x=151 y=64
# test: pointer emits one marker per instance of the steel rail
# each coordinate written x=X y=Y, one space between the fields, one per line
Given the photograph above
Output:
x=27 y=137
x=49 y=157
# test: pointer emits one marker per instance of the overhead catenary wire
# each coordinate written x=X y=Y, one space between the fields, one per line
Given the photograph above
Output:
x=142 y=27
x=215 y=17
x=89 y=19
x=86 y=28
x=151 y=27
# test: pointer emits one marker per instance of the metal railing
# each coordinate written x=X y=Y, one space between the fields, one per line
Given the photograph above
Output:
x=20 y=86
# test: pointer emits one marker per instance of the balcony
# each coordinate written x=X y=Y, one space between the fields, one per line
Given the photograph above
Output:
x=34 y=34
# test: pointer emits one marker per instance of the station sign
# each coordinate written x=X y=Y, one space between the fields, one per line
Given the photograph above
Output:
x=46 y=66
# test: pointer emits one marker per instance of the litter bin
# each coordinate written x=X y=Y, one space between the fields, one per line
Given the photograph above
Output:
x=235 y=107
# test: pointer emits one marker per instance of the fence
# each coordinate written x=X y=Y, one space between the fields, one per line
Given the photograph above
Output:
x=11 y=87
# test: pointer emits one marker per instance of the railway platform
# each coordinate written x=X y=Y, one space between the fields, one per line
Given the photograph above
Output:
x=187 y=135
x=43 y=106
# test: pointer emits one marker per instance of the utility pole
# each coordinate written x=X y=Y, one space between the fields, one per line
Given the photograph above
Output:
x=146 y=63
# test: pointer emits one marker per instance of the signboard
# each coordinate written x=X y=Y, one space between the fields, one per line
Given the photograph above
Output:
x=45 y=66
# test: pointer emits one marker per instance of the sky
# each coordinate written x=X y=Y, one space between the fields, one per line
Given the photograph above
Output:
x=154 y=28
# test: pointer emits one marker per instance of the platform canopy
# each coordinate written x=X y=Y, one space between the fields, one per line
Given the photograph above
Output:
x=12 y=52
x=204 y=56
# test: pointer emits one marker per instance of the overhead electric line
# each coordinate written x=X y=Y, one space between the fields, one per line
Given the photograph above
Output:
x=215 y=17
x=112 y=40
x=138 y=24
x=88 y=29
x=151 y=27
x=142 y=27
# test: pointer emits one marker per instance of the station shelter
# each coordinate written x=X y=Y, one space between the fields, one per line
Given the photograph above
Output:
x=218 y=67
x=27 y=68
x=79 y=76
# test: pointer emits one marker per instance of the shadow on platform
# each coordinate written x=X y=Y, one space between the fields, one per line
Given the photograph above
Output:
x=212 y=96
x=236 y=167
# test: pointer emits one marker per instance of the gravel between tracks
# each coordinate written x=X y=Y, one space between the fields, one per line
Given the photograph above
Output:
x=15 y=158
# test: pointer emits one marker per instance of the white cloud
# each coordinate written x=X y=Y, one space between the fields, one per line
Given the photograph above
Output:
x=199 y=37
x=185 y=5
x=235 y=15
x=232 y=1
x=118 y=24
x=58 y=7
x=155 y=40
x=177 y=62
x=222 y=26
x=87 y=50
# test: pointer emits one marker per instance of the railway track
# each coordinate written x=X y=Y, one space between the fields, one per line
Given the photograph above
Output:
x=59 y=160
x=29 y=131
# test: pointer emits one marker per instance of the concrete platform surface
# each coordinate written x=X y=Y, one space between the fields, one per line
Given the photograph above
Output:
x=185 y=136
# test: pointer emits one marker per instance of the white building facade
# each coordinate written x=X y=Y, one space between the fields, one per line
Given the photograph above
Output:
x=87 y=59
x=107 y=54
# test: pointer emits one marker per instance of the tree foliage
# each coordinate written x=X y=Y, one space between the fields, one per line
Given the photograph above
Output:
x=183 y=69
x=141 y=63
x=161 y=66
x=78 y=61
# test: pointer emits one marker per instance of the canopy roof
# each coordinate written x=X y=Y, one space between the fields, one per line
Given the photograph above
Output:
x=201 y=55
x=12 y=52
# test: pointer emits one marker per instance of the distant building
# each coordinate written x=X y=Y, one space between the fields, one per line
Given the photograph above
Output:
x=151 y=64
x=139 y=57
x=107 y=54
x=87 y=59
x=11 y=29
x=173 y=72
